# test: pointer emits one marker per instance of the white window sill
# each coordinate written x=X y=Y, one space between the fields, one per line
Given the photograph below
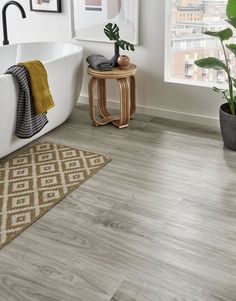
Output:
x=195 y=83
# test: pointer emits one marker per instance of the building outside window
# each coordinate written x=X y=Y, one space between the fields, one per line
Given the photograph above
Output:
x=187 y=42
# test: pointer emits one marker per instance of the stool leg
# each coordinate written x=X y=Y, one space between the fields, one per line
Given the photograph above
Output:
x=102 y=107
x=91 y=100
x=132 y=96
x=106 y=119
x=124 y=103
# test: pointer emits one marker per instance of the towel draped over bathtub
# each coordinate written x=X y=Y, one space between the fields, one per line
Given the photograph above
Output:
x=43 y=100
x=28 y=123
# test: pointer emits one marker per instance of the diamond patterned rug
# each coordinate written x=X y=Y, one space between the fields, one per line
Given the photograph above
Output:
x=36 y=180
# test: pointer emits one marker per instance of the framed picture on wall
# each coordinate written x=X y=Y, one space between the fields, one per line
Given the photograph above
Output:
x=50 y=6
x=90 y=17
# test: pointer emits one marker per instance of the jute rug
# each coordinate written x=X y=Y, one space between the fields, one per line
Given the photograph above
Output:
x=36 y=180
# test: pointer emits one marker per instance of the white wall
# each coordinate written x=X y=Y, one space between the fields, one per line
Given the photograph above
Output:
x=37 y=26
x=156 y=97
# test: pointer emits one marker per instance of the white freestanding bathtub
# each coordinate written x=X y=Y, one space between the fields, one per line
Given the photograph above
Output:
x=64 y=64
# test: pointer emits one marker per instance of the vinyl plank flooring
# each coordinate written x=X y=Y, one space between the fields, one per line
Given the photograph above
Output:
x=129 y=291
x=157 y=223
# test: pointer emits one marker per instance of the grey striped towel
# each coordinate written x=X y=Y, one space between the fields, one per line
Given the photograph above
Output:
x=100 y=63
x=28 y=123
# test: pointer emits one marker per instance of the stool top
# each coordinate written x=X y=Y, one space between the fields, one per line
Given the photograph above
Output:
x=115 y=73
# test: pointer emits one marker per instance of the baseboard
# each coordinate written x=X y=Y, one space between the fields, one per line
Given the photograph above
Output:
x=168 y=114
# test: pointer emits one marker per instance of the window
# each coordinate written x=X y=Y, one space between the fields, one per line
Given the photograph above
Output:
x=186 y=22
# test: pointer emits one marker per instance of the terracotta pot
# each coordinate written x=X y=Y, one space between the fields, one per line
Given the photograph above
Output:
x=124 y=62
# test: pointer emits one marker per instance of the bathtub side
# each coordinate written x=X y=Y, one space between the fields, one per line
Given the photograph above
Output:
x=8 y=107
x=65 y=78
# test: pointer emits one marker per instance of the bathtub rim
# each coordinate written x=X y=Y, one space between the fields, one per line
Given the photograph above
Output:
x=75 y=52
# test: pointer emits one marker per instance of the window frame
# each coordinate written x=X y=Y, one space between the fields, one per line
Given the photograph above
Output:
x=167 y=55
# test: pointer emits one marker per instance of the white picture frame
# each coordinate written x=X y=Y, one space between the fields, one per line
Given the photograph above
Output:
x=91 y=16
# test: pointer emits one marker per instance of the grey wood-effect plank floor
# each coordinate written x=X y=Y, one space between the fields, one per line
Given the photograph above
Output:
x=157 y=223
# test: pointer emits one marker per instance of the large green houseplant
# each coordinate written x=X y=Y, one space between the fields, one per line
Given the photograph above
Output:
x=228 y=109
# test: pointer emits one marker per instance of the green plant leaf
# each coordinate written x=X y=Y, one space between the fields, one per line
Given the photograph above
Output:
x=232 y=47
x=219 y=90
x=215 y=89
x=231 y=9
x=125 y=45
x=223 y=35
x=234 y=82
x=232 y=21
x=211 y=63
x=112 y=31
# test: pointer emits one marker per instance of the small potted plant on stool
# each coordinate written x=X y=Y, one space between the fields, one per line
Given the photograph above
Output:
x=112 y=31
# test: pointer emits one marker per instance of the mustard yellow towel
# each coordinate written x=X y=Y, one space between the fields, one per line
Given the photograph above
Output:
x=39 y=85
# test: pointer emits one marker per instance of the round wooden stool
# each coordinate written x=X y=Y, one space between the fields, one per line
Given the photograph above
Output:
x=126 y=82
